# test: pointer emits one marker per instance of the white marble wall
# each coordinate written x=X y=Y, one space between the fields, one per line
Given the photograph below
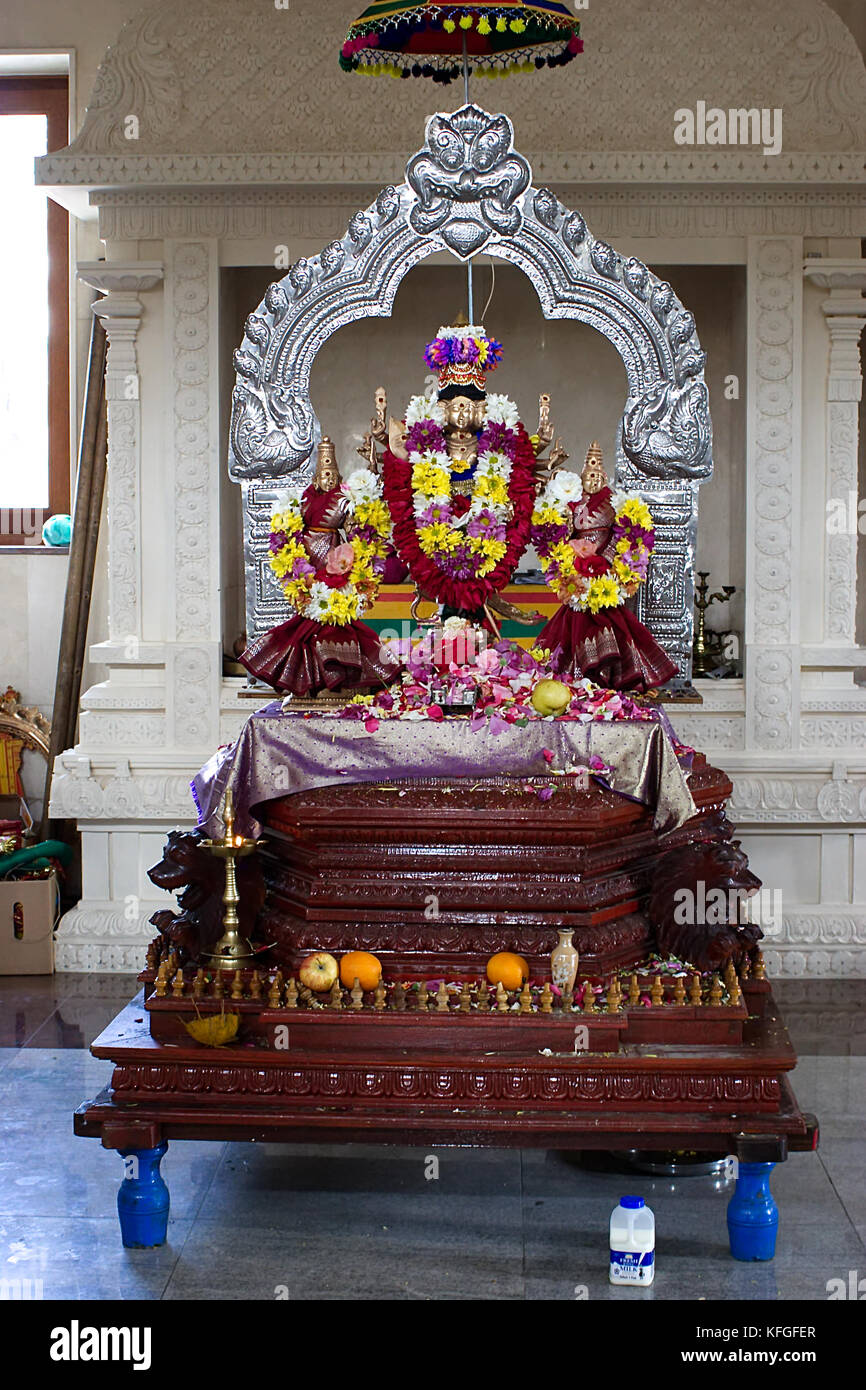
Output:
x=787 y=734
x=207 y=189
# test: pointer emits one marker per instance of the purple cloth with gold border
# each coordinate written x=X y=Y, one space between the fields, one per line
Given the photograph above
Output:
x=278 y=753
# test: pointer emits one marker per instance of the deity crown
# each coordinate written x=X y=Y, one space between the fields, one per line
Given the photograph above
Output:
x=463 y=355
x=593 y=475
x=327 y=475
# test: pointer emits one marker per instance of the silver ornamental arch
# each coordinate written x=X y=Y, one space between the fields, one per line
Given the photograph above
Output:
x=467 y=191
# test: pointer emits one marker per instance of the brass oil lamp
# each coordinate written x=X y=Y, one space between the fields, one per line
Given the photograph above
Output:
x=232 y=951
x=705 y=649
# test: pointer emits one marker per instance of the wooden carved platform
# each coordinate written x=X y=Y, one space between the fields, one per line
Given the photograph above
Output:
x=609 y=1078
x=435 y=877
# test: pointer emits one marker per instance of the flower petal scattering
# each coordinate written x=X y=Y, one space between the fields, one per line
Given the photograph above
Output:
x=501 y=680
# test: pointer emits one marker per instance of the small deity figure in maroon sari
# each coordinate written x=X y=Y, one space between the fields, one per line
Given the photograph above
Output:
x=306 y=656
x=612 y=647
x=324 y=507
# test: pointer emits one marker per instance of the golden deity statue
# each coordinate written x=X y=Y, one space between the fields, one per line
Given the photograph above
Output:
x=324 y=506
x=470 y=438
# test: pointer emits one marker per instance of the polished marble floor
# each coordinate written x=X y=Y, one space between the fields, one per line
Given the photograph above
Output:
x=261 y=1221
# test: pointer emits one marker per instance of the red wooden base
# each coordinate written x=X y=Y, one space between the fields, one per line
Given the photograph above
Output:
x=435 y=878
x=513 y=1082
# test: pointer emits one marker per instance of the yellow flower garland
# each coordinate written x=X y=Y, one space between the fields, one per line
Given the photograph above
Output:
x=598 y=592
x=313 y=599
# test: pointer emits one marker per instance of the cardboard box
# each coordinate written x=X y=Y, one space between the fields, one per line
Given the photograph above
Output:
x=29 y=908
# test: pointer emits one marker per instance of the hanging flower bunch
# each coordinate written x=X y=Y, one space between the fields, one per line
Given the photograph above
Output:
x=348 y=583
x=459 y=547
x=578 y=576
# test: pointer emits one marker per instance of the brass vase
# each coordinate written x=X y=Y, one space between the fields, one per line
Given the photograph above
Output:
x=563 y=962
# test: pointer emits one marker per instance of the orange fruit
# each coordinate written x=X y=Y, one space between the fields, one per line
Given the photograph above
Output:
x=509 y=969
x=360 y=966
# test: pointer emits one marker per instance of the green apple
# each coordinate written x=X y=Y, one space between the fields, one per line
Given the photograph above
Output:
x=550 y=697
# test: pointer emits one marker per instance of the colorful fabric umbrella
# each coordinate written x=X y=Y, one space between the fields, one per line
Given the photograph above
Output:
x=443 y=39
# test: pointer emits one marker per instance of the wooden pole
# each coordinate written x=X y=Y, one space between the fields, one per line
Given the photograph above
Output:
x=91 y=543
x=89 y=493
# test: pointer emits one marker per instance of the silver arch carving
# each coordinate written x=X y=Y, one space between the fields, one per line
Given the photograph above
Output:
x=468 y=190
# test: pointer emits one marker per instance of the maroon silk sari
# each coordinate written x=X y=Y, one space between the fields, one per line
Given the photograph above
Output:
x=324 y=514
x=612 y=648
x=305 y=657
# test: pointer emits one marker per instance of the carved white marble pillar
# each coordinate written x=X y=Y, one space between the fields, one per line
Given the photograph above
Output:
x=194 y=638
x=845 y=313
x=775 y=314
x=120 y=313
x=146 y=730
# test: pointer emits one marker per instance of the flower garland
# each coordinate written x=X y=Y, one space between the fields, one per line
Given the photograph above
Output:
x=461 y=554
x=347 y=585
x=588 y=582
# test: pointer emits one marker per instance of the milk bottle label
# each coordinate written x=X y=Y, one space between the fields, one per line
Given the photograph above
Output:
x=632 y=1266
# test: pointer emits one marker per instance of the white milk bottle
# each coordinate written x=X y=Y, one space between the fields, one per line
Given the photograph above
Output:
x=632 y=1242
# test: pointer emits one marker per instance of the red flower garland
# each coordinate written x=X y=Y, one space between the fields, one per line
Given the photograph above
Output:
x=466 y=594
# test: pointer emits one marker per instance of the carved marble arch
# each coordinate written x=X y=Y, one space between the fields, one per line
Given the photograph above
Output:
x=468 y=190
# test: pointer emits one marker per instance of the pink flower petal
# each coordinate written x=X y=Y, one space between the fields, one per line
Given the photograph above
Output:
x=488 y=661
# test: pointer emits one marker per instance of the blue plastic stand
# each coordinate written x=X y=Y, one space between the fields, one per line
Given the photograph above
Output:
x=753 y=1217
x=143 y=1200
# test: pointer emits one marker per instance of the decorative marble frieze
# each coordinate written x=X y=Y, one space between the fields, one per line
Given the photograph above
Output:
x=789 y=798
x=278 y=80
x=712 y=731
x=81 y=793
x=193 y=417
x=319 y=214
x=795 y=962
x=577 y=169
x=104 y=939
x=834 y=732
x=193 y=681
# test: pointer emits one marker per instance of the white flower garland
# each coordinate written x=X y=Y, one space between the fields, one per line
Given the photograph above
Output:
x=498 y=409
x=432 y=486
